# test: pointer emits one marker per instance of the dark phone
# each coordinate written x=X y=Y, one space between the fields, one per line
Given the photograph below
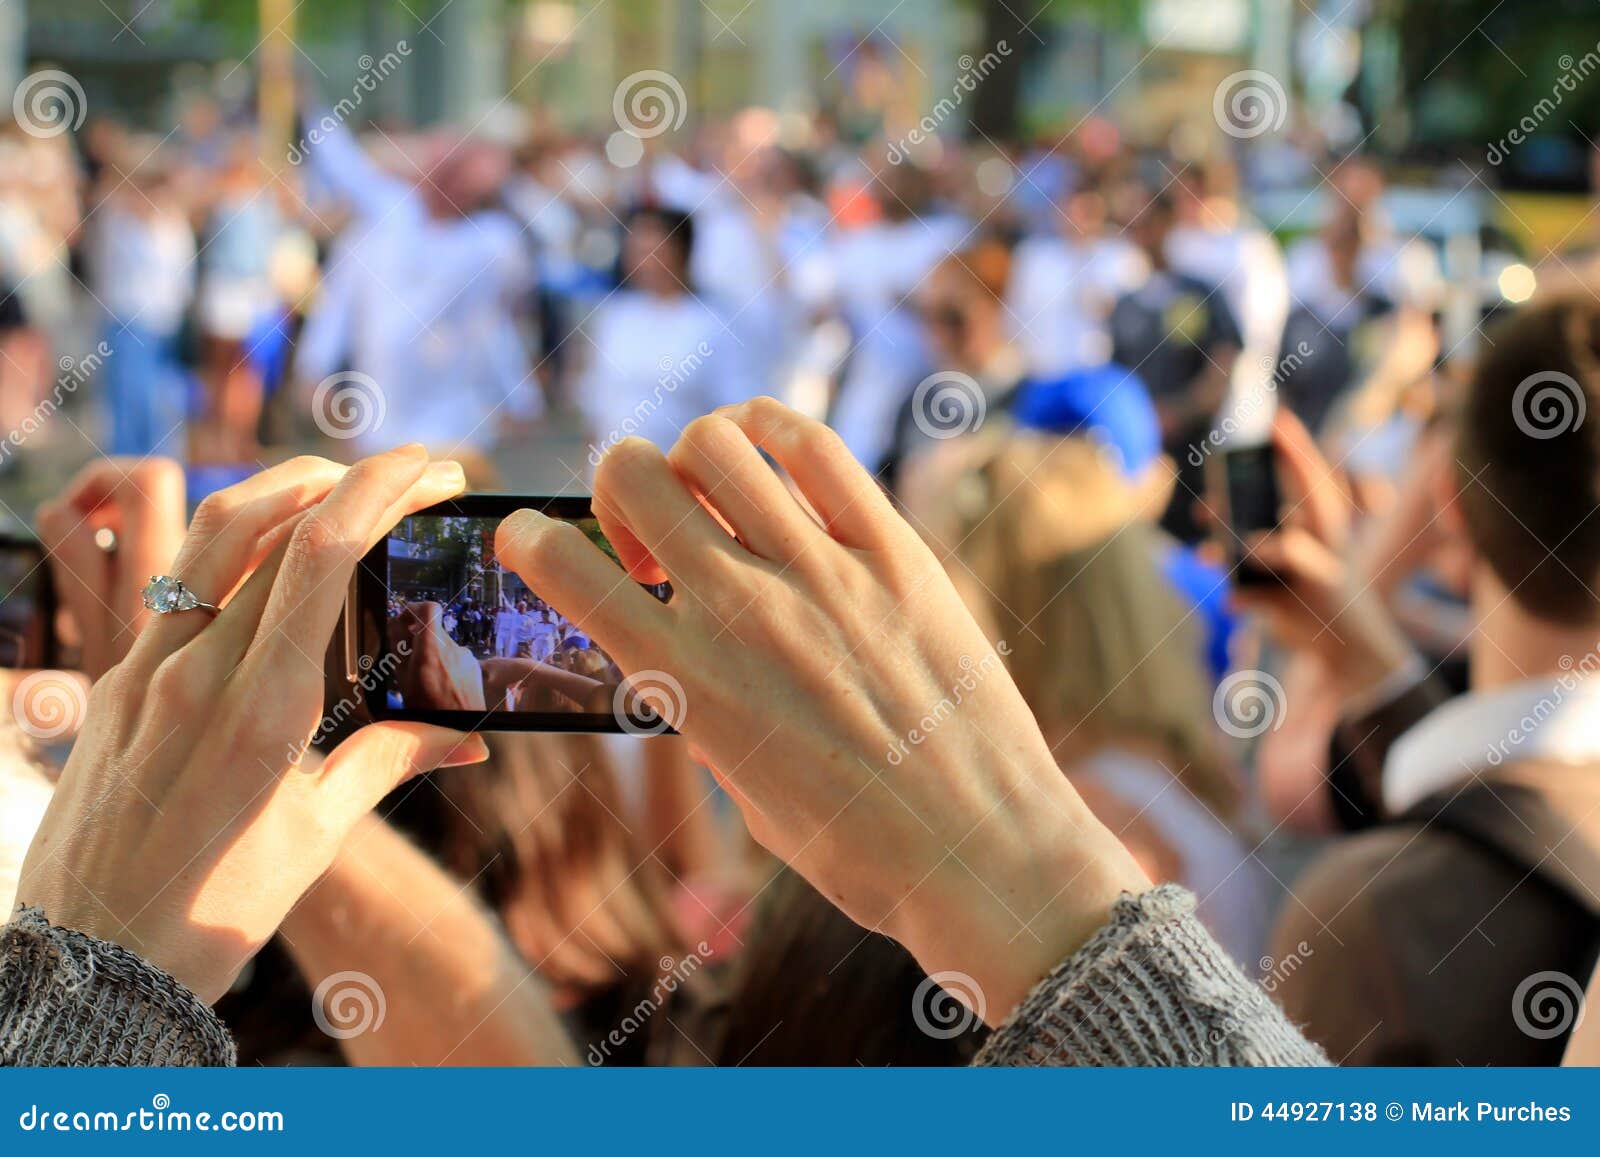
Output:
x=1250 y=503
x=441 y=633
x=27 y=605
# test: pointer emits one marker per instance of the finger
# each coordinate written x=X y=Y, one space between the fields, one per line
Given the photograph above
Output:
x=557 y=560
x=229 y=640
x=1269 y=551
x=229 y=525
x=1312 y=489
x=141 y=500
x=718 y=460
x=851 y=504
x=226 y=640
x=635 y=487
x=228 y=538
x=635 y=559
x=330 y=541
x=98 y=483
x=381 y=756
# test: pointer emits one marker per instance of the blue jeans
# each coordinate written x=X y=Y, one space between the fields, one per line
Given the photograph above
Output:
x=144 y=391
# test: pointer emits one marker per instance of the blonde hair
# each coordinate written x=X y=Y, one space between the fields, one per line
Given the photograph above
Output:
x=1060 y=549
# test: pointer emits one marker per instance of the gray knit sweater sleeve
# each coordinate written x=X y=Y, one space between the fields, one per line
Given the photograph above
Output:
x=1150 y=988
x=70 y=999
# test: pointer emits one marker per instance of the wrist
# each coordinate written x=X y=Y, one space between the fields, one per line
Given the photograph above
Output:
x=1028 y=888
x=324 y=911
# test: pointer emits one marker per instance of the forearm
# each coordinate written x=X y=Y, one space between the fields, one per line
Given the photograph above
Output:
x=454 y=991
x=678 y=825
x=342 y=165
x=1021 y=892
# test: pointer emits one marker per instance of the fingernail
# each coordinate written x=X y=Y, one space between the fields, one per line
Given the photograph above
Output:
x=524 y=520
x=472 y=749
x=447 y=470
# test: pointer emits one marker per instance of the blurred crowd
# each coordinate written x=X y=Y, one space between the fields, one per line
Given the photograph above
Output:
x=394 y=284
x=1041 y=352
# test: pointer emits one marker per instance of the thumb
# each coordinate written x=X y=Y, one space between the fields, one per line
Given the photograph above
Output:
x=380 y=757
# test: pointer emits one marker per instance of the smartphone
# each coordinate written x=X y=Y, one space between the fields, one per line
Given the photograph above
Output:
x=27 y=605
x=1250 y=503
x=440 y=632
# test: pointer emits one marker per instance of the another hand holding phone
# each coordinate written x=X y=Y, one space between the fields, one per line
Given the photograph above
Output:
x=140 y=503
x=1314 y=604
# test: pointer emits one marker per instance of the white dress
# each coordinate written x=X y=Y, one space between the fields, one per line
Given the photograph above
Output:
x=424 y=307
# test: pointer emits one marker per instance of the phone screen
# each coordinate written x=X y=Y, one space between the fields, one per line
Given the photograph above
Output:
x=1252 y=504
x=27 y=606
x=466 y=642
x=1252 y=481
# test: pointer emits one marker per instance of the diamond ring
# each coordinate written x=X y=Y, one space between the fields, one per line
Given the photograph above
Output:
x=164 y=594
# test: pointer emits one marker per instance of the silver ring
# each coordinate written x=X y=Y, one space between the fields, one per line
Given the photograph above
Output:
x=165 y=595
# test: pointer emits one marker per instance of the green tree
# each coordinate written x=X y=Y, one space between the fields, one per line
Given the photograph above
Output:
x=1024 y=25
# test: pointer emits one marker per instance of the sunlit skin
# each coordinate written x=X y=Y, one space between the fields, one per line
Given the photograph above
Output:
x=187 y=825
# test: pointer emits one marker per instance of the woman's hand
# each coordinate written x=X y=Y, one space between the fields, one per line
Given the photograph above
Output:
x=834 y=681
x=141 y=502
x=184 y=827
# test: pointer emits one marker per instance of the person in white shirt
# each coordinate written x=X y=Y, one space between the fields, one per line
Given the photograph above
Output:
x=544 y=637
x=659 y=355
x=1063 y=286
x=141 y=257
x=421 y=297
x=1216 y=242
x=875 y=270
x=526 y=618
x=506 y=623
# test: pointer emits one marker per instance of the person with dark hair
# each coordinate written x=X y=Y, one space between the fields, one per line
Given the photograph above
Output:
x=1063 y=285
x=1484 y=864
x=658 y=354
x=812 y=987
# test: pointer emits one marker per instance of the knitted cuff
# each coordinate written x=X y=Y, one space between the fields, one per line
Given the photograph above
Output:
x=1150 y=988
x=70 y=999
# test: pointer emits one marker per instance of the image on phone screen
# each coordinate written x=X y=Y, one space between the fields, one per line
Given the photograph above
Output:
x=466 y=642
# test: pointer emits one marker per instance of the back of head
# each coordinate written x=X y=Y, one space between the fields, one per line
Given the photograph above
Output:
x=814 y=988
x=1528 y=459
x=1101 y=645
